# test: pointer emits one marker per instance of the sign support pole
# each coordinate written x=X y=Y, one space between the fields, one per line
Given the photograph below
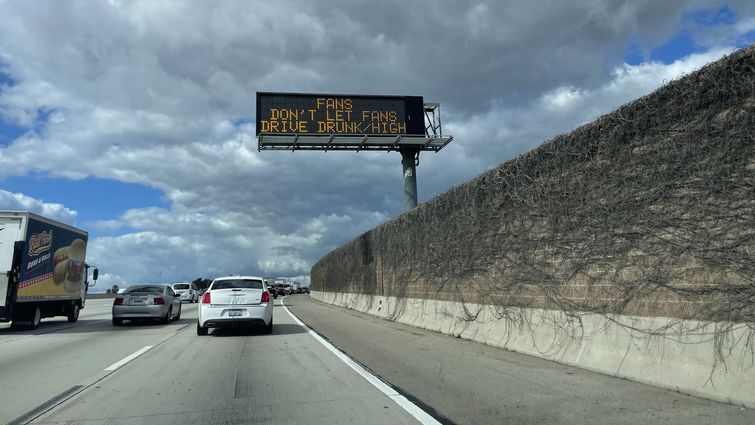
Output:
x=409 y=165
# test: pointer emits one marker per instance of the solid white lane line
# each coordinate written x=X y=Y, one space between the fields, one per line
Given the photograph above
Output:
x=127 y=359
x=411 y=408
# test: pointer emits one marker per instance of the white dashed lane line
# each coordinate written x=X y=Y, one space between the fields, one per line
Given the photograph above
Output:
x=128 y=358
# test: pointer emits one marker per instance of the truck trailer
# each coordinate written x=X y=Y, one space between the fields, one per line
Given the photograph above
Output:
x=43 y=269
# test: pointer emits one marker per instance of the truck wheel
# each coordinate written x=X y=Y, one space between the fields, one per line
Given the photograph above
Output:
x=73 y=313
x=201 y=330
x=35 y=317
x=117 y=322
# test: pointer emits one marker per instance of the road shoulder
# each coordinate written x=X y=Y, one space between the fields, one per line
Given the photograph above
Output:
x=468 y=382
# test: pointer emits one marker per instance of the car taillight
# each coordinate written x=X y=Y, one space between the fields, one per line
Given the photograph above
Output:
x=159 y=300
x=265 y=297
x=118 y=301
x=206 y=298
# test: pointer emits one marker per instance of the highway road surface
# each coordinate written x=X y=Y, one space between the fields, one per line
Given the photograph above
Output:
x=91 y=372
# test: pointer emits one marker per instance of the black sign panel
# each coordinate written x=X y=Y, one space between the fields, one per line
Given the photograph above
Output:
x=285 y=113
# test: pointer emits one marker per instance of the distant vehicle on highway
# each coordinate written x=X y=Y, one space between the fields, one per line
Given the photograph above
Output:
x=283 y=289
x=235 y=301
x=141 y=302
x=271 y=289
x=187 y=291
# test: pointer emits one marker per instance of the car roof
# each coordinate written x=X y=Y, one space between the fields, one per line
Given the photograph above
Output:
x=239 y=277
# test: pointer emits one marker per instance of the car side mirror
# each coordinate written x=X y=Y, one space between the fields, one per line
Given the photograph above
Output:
x=95 y=274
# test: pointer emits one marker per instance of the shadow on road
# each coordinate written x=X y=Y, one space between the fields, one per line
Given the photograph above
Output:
x=279 y=329
x=47 y=326
x=85 y=326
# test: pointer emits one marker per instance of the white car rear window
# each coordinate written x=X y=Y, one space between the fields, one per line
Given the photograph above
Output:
x=148 y=289
x=237 y=283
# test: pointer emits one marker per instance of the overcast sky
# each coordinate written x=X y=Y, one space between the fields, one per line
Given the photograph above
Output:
x=134 y=120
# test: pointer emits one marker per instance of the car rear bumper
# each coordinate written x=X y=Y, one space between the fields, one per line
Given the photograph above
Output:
x=185 y=296
x=140 y=311
x=220 y=315
x=234 y=323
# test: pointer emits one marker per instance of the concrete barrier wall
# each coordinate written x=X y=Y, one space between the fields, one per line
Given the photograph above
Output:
x=681 y=357
x=625 y=246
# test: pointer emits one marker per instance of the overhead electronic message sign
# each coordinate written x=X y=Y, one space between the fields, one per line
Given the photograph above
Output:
x=332 y=114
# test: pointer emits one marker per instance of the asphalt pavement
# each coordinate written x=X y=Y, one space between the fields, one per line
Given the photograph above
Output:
x=81 y=373
x=91 y=372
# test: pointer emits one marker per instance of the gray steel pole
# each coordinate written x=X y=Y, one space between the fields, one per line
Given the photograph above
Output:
x=410 y=178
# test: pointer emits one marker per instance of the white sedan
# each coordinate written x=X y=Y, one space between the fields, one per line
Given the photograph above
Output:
x=235 y=301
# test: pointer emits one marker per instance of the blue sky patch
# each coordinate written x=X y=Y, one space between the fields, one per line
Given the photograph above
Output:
x=93 y=199
x=5 y=78
x=683 y=43
x=634 y=54
x=8 y=131
x=679 y=46
x=711 y=17
x=745 y=39
x=238 y=122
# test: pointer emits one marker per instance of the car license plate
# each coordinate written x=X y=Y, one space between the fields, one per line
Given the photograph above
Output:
x=234 y=313
x=139 y=301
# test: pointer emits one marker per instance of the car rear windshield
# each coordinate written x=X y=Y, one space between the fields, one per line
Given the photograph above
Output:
x=150 y=289
x=181 y=286
x=237 y=283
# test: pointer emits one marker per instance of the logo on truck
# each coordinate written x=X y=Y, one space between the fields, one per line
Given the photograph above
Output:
x=39 y=243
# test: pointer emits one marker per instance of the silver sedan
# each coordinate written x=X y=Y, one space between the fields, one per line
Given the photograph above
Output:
x=147 y=302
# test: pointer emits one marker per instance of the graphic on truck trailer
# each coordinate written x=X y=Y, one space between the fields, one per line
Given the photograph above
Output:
x=52 y=265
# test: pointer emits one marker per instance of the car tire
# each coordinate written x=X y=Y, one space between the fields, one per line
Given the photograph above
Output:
x=165 y=320
x=73 y=313
x=201 y=330
x=117 y=322
x=178 y=316
x=269 y=327
x=35 y=317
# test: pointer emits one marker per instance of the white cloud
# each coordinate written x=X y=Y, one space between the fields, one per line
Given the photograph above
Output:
x=10 y=201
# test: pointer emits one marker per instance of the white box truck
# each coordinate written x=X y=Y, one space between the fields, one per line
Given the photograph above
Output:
x=43 y=269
